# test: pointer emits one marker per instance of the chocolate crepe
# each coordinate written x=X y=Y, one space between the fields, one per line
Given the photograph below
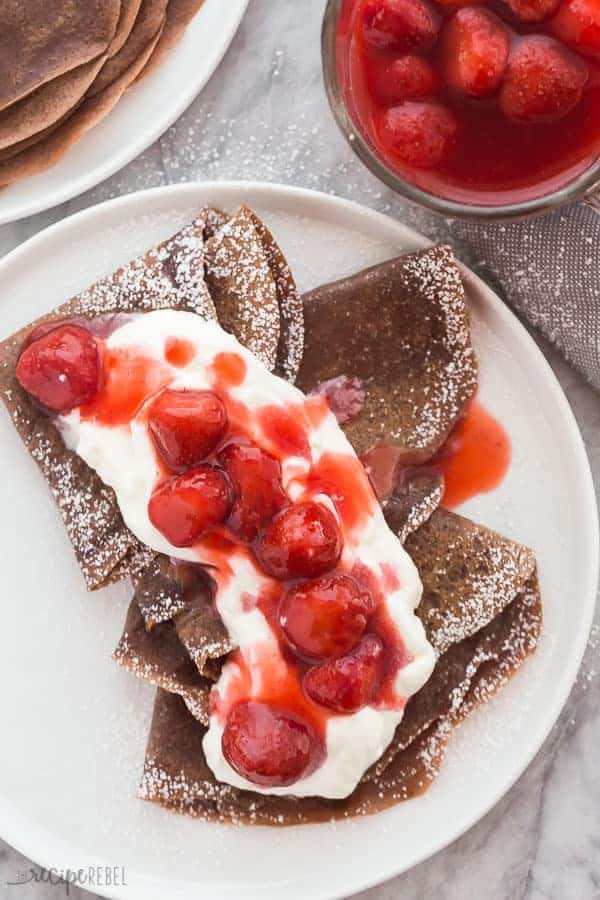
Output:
x=254 y=292
x=127 y=17
x=46 y=106
x=467 y=673
x=402 y=328
x=162 y=660
x=52 y=143
x=43 y=39
x=149 y=22
x=413 y=501
x=184 y=594
x=242 y=286
x=169 y=276
x=51 y=123
x=290 y=348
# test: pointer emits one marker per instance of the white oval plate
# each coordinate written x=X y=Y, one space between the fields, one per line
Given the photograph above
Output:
x=74 y=726
x=138 y=119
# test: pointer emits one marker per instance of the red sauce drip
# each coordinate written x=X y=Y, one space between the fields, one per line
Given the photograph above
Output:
x=342 y=478
x=179 y=352
x=316 y=409
x=129 y=378
x=475 y=458
x=391 y=582
x=285 y=430
x=381 y=463
x=491 y=158
x=280 y=685
x=396 y=655
x=229 y=370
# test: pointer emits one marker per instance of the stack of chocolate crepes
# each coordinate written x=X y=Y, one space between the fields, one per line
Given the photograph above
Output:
x=398 y=336
x=63 y=66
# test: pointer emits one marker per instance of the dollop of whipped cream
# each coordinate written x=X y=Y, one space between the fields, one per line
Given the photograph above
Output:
x=114 y=439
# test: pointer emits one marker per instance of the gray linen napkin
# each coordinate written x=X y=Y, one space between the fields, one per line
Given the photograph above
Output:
x=548 y=270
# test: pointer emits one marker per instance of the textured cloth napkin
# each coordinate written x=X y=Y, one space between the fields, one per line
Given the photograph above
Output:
x=547 y=268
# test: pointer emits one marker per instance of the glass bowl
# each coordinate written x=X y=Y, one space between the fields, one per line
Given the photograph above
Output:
x=584 y=186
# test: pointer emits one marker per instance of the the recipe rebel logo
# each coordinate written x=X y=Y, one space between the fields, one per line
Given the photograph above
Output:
x=89 y=877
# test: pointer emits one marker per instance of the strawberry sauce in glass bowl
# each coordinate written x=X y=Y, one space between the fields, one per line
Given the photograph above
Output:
x=470 y=108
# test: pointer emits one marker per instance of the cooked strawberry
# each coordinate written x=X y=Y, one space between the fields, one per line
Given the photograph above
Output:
x=258 y=493
x=475 y=46
x=326 y=617
x=187 y=426
x=302 y=541
x=405 y=78
x=347 y=684
x=533 y=10
x=187 y=506
x=399 y=24
x=577 y=23
x=544 y=81
x=454 y=4
x=267 y=746
x=419 y=132
x=61 y=369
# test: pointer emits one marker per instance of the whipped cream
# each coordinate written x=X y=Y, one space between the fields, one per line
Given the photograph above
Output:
x=124 y=457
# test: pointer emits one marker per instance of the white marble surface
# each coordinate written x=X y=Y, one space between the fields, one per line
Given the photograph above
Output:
x=264 y=116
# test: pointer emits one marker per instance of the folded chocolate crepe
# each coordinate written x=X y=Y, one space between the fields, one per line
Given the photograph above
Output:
x=43 y=39
x=169 y=276
x=255 y=293
x=457 y=561
x=402 y=329
x=182 y=596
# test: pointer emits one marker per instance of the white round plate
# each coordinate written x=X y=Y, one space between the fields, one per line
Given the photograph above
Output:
x=74 y=726
x=138 y=119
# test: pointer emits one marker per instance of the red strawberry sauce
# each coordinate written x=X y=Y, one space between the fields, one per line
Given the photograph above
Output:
x=475 y=458
x=485 y=103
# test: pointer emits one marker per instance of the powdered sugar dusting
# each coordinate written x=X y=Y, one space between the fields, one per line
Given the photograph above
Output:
x=195 y=698
x=244 y=291
x=439 y=282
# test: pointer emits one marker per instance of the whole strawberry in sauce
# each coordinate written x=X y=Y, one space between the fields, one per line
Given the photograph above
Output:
x=475 y=47
x=399 y=24
x=186 y=507
x=255 y=476
x=187 y=425
x=543 y=82
x=346 y=685
x=268 y=746
x=325 y=617
x=418 y=131
x=577 y=23
x=61 y=369
x=302 y=541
